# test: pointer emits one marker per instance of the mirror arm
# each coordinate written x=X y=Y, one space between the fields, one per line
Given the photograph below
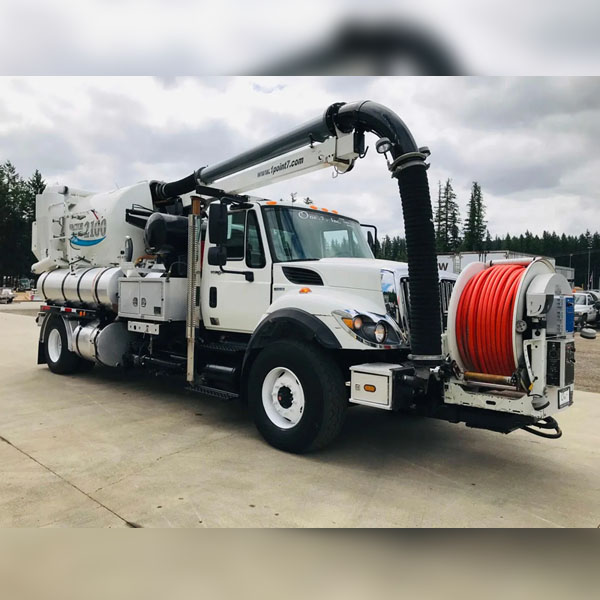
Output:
x=249 y=275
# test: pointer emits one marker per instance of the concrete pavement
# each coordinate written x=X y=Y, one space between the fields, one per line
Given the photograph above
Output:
x=112 y=449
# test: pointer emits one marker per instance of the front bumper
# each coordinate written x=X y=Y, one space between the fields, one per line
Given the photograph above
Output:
x=389 y=386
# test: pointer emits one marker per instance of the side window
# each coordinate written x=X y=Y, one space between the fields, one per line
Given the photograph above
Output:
x=255 y=254
x=236 y=223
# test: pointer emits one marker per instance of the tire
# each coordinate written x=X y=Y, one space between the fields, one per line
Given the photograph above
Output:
x=58 y=357
x=315 y=388
x=588 y=333
x=10 y=300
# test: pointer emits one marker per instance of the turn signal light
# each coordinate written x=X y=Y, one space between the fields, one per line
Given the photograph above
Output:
x=369 y=388
x=305 y=290
x=348 y=322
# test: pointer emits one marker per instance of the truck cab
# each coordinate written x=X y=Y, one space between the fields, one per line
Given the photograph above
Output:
x=281 y=255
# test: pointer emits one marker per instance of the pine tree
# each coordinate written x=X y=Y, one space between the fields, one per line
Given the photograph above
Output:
x=476 y=225
x=17 y=212
x=440 y=220
x=447 y=219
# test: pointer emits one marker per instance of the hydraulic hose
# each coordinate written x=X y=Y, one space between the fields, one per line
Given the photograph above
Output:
x=484 y=320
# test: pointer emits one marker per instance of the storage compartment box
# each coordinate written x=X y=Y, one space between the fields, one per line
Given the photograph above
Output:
x=371 y=384
x=153 y=299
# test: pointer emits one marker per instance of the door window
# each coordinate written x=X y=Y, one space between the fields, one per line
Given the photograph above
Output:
x=255 y=254
x=236 y=224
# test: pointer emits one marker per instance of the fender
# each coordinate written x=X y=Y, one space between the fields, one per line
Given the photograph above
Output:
x=306 y=325
x=275 y=324
x=70 y=326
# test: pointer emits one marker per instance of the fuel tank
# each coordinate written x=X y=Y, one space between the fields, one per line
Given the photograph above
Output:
x=94 y=285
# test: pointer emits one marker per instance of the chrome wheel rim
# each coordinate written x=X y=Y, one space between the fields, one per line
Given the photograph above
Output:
x=54 y=345
x=283 y=398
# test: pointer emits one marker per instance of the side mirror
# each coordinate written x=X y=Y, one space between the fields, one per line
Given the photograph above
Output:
x=217 y=256
x=217 y=223
x=371 y=241
x=371 y=236
x=597 y=305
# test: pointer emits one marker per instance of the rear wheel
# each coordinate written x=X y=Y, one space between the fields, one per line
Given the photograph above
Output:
x=58 y=356
x=297 y=396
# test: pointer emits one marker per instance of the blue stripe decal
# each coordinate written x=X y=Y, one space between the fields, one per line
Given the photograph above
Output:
x=79 y=242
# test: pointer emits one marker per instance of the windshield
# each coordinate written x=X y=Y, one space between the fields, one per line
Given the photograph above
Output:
x=580 y=299
x=298 y=234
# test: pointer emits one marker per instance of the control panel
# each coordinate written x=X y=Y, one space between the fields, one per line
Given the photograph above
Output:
x=560 y=363
x=561 y=316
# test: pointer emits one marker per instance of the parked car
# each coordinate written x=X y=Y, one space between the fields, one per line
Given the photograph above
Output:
x=7 y=295
x=587 y=309
x=24 y=284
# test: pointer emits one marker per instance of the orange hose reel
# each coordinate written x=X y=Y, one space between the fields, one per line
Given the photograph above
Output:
x=484 y=320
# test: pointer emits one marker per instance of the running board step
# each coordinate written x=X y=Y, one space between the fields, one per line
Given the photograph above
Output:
x=213 y=392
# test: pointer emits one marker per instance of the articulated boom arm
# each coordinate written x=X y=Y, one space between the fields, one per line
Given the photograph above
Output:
x=336 y=139
x=339 y=151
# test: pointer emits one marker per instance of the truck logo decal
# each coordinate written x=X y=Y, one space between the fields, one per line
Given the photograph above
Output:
x=282 y=166
x=89 y=232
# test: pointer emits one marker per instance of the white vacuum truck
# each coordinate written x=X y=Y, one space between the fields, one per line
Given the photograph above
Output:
x=283 y=304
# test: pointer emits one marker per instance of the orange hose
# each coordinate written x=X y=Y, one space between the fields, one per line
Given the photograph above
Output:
x=484 y=320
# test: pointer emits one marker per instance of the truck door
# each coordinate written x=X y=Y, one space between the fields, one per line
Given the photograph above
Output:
x=229 y=301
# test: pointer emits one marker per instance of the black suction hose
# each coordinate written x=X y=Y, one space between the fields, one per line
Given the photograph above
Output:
x=425 y=323
x=411 y=170
x=164 y=191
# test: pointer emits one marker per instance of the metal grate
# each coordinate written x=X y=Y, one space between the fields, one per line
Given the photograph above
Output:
x=302 y=276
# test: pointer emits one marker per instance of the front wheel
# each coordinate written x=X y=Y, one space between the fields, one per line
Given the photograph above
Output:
x=297 y=396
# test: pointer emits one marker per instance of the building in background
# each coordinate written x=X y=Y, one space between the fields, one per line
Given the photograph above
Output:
x=455 y=263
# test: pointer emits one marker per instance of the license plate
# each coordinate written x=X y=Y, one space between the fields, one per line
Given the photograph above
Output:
x=564 y=397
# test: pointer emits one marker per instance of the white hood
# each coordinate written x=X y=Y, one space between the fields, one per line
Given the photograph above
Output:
x=353 y=273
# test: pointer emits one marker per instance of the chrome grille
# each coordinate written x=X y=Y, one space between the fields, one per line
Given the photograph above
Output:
x=446 y=287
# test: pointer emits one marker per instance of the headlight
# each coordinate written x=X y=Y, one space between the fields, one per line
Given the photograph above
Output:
x=371 y=329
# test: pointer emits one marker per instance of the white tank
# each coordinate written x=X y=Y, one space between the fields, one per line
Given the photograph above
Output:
x=94 y=285
x=76 y=226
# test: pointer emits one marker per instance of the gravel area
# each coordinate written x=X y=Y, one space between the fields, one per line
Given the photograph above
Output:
x=587 y=367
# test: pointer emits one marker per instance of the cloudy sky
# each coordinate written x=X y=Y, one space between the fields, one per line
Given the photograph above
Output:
x=532 y=143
